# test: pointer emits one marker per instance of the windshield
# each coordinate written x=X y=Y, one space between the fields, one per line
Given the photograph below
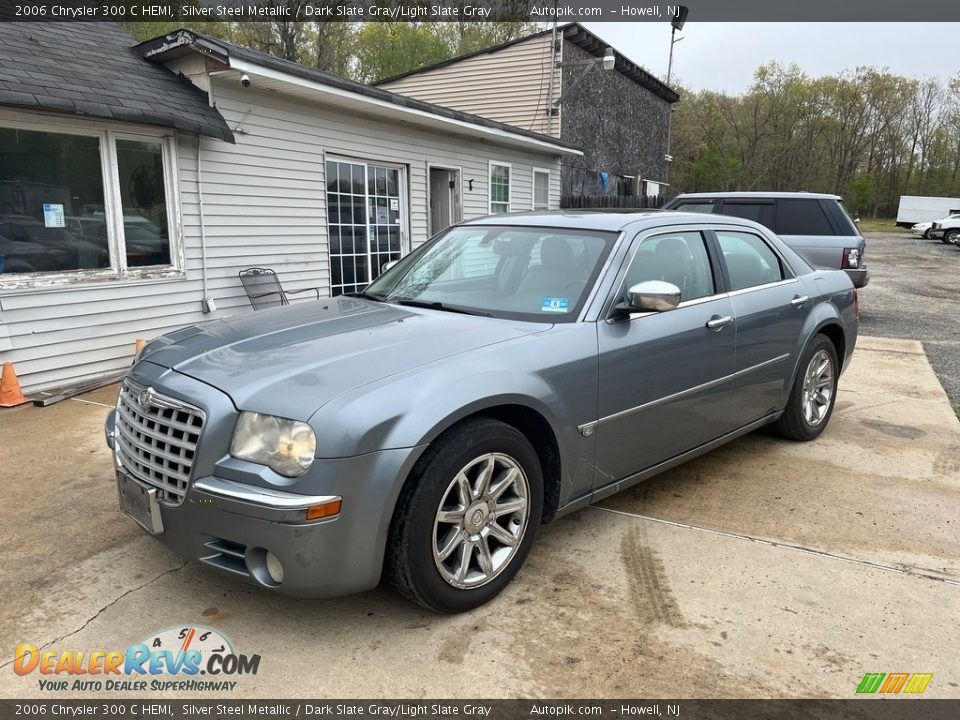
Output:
x=527 y=273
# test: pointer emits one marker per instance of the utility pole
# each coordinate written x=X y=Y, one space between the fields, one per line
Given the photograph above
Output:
x=675 y=24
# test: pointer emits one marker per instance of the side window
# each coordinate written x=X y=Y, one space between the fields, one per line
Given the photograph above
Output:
x=801 y=217
x=698 y=206
x=678 y=258
x=758 y=212
x=750 y=261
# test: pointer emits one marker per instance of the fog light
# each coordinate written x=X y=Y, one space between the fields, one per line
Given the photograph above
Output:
x=274 y=568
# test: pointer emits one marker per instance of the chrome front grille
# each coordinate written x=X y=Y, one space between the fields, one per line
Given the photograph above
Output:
x=157 y=438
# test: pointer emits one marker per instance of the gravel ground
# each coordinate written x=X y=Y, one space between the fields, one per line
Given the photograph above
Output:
x=914 y=292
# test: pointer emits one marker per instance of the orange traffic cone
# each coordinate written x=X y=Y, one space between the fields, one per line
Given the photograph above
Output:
x=10 y=393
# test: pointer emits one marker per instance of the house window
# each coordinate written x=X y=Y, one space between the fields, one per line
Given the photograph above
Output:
x=499 y=188
x=82 y=205
x=365 y=211
x=541 y=189
x=144 y=203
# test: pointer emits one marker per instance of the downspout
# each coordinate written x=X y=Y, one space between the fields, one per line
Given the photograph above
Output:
x=553 y=67
x=208 y=304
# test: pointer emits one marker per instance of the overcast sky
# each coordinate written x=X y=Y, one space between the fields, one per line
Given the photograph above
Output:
x=723 y=56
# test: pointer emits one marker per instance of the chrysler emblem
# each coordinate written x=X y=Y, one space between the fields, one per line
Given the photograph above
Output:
x=145 y=398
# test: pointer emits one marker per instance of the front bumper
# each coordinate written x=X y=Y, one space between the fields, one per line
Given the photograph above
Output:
x=859 y=276
x=230 y=525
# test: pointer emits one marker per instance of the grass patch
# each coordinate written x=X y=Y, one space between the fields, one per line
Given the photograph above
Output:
x=880 y=225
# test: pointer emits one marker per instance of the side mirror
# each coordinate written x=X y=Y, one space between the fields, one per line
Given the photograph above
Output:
x=651 y=296
x=387 y=265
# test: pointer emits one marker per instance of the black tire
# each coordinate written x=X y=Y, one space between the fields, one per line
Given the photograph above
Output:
x=951 y=237
x=794 y=424
x=411 y=564
x=926 y=234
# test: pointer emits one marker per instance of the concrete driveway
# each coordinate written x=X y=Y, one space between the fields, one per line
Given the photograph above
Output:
x=765 y=569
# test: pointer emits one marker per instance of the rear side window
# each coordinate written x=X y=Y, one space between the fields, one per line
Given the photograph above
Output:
x=758 y=212
x=801 y=217
x=749 y=260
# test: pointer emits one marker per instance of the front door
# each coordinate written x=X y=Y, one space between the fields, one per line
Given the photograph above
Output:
x=444 y=198
x=665 y=377
x=366 y=217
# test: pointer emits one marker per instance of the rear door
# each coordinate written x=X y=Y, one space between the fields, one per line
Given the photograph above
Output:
x=770 y=312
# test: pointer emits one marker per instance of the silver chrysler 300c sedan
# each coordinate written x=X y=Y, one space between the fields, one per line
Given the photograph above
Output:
x=509 y=371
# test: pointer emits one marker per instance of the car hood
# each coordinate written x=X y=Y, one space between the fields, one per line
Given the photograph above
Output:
x=290 y=361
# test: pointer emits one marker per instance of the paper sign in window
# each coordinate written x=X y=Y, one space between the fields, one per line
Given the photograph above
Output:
x=53 y=215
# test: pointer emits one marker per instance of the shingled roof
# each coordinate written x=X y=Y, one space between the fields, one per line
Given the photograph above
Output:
x=161 y=48
x=91 y=69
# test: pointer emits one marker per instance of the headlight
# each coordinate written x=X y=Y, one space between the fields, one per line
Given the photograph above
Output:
x=285 y=446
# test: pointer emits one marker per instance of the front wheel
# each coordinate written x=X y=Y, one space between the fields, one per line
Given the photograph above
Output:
x=467 y=517
x=813 y=394
x=952 y=237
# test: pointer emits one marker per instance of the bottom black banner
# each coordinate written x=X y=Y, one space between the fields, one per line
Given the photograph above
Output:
x=859 y=709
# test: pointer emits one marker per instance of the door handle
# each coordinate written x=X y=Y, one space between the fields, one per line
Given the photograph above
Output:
x=799 y=301
x=717 y=322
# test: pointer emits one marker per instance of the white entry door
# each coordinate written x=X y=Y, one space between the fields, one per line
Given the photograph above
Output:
x=366 y=217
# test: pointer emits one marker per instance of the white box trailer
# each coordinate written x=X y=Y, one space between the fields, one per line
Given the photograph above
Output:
x=916 y=208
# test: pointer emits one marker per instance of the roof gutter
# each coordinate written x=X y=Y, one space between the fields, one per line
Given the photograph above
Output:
x=414 y=113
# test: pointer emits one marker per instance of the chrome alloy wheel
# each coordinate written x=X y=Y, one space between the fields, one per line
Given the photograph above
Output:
x=481 y=521
x=818 y=388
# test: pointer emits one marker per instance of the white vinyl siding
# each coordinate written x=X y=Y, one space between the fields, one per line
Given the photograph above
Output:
x=510 y=85
x=264 y=206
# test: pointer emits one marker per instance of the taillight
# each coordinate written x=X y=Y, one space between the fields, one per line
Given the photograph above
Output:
x=851 y=258
x=856 y=303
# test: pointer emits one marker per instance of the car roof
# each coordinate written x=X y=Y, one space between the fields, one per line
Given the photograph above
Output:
x=756 y=194
x=600 y=219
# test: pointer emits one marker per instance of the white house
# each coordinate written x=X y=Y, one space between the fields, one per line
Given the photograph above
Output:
x=137 y=181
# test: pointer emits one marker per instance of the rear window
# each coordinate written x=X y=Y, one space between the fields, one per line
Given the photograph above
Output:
x=801 y=217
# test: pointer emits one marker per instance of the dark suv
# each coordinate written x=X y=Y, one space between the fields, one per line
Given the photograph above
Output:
x=813 y=224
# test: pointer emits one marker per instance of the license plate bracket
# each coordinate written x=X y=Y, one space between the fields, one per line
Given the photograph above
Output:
x=140 y=503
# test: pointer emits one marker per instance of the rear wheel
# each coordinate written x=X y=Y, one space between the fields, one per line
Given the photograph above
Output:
x=813 y=394
x=466 y=519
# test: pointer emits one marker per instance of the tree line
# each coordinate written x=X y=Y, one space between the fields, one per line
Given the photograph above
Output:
x=866 y=134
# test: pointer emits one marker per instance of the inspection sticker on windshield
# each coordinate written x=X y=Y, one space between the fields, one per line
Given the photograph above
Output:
x=550 y=304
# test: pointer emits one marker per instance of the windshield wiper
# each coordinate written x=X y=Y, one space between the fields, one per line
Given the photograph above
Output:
x=435 y=305
x=368 y=295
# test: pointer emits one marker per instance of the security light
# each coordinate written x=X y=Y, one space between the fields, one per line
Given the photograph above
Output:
x=609 y=59
x=680 y=18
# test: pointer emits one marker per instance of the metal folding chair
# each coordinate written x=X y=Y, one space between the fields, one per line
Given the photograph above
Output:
x=264 y=290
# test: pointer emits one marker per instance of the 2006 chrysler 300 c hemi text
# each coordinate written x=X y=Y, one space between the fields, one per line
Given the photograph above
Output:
x=510 y=370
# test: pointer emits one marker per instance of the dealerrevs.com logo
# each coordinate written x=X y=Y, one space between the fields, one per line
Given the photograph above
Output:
x=184 y=652
x=894 y=683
